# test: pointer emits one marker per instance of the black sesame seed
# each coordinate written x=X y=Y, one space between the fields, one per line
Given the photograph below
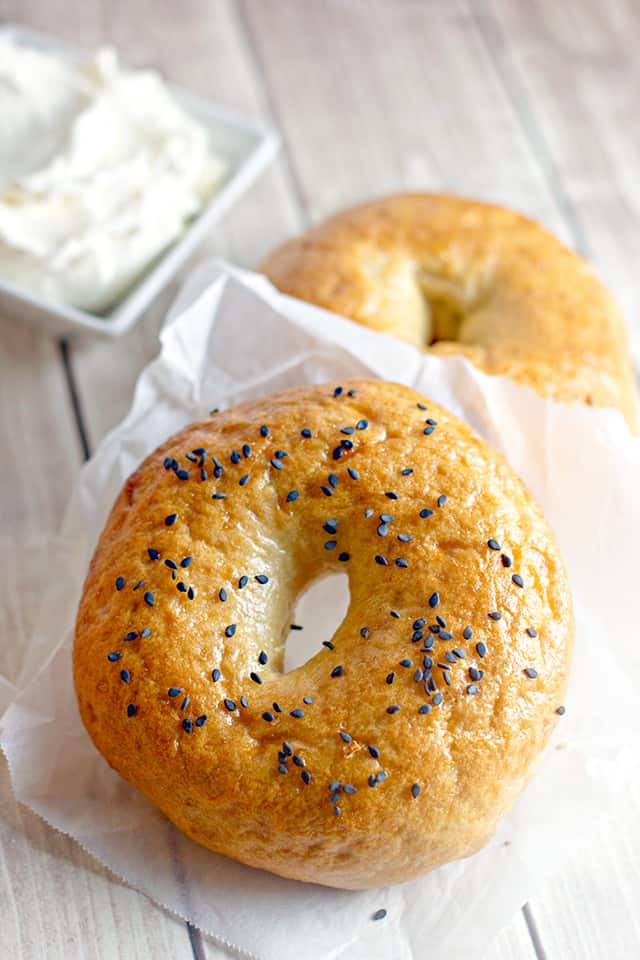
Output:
x=283 y=768
x=418 y=676
x=434 y=599
x=132 y=710
x=306 y=432
x=306 y=777
x=292 y=495
x=255 y=677
x=246 y=450
x=394 y=614
x=481 y=649
x=297 y=713
x=364 y=632
x=349 y=788
x=353 y=473
x=299 y=762
x=287 y=749
x=276 y=706
x=328 y=644
x=381 y=776
x=201 y=720
x=437 y=700
x=401 y=562
x=495 y=615
x=222 y=594
x=337 y=453
x=174 y=691
x=442 y=499
x=182 y=587
x=243 y=480
x=268 y=716
x=235 y=456
x=425 y=708
x=391 y=495
x=113 y=657
x=215 y=675
x=531 y=673
x=337 y=671
x=406 y=663
x=459 y=652
x=369 y=512
x=120 y=582
x=307 y=700
x=185 y=703
x=262 y=657
x=219 y=496
x=242 y=582
x=405 y=537
x=415 y=791
x=381 y=561
x=407 y=471
x=132 y=635
x=346 y=736
x=467 y=633
x=276 y=464
x=331 y=544
x=261 y=578
x=428 y=431
x=474 y=673
x=382 y=530
x=230 y=705
x=343 y=557
x=264 y=431
x=125 y=676
x=170 y=519
x=493 y=544
x=139 y=584
x=393 y=709
x=295 y=626
x=390 y=677
x=372 y=780
x=473 y=688
x=375 y=753
x=517 y=579
x=333 y=480
x=426 y=513
x=153 y=554
x=347 y=431
x=506 y=561
x=244 y=702
x=561 y=711
x=328 y=492
x=531 y=632
x=362 y=424
x=230 y=630
x=337 y=391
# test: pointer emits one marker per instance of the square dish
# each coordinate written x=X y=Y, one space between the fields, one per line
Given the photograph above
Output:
x=245 y=147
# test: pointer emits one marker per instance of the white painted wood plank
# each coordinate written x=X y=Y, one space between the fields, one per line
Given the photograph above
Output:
x=573 y=67
x=376 y=97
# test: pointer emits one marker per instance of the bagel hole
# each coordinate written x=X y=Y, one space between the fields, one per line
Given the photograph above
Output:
x=319 y=611
x=445 y=304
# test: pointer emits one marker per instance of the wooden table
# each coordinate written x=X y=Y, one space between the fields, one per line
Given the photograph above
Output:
x=533 y=103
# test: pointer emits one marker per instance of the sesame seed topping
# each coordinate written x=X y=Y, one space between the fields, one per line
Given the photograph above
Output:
x=425 y=708
x=506 y=561
x=201 y=720
x=362 y=424
x=170 y=519
x=517 y=579
x=242 y=582
x=531 y=632
x=120 y=582
x=297 y=713
x=494 y=615
x=268 y=716
x=345 y=736
x=132 y=710
x=426 y=513
x=375 y=753
x=481 y=649
x=330 y=544
x=415 y=791
x=467 y=633
x=393 y=709
x=230 y=705
x=328 y=644
x=381 y=561
x=307 y=700
x=531 y=672
x=493 y=544
x=442 y=499
x=292 y=495
x=255 y=677
x=353 y=473
x=264 y=431
x=153 y=553
x=222 y=594
x=561 y=711
x=337 y=671
x=113 y=657
x=434 y=599
x=306 y=433
x=174 y=691
x=390 y=677
x=125 y=676
x=473 y=688
x=306 y=777
x=230 y=630
x=215 y=675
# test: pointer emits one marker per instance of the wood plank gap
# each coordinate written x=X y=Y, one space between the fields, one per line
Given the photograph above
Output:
x=495 y=42
x=72 y=387
x=246 y=31
x=534 y=933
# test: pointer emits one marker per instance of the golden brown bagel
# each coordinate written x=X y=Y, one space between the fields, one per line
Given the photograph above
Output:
x=463 y=277
x=424 y=571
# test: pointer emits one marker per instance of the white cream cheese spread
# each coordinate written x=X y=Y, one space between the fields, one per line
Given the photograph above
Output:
x=100 y=171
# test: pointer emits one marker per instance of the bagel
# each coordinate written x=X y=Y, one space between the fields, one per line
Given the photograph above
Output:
x=457 y=276
x=398 y=746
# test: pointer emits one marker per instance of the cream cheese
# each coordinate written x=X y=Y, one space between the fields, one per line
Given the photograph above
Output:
x=100 y=171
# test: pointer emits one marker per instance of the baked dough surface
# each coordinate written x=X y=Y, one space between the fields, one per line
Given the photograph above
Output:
x=402 y=499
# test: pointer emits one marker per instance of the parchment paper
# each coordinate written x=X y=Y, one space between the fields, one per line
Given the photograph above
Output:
x=231 y=337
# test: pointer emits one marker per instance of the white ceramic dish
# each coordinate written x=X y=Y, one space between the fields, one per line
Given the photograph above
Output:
x=246 y=148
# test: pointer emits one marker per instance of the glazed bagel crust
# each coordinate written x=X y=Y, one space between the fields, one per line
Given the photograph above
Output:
x=463 y=277
x=146 y=656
